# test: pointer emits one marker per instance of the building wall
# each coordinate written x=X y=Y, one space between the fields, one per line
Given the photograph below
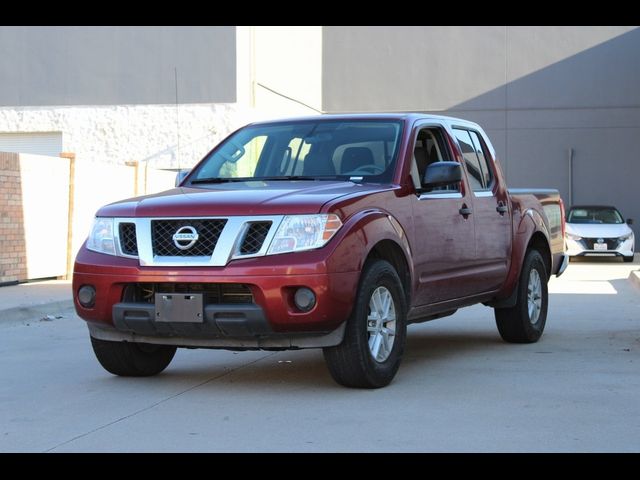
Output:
x=121 y=133
x=288 y=60
x=544 y=95
x=103 y=65
x=13 y=265
x=110 y=92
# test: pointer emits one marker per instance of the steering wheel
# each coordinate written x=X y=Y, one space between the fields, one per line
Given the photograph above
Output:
x=367 y=169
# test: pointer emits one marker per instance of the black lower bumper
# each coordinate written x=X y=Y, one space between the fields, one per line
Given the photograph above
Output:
x=219 y=320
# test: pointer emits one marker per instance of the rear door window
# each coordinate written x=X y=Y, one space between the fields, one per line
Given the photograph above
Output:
x=482 y=158
x=475 y=160
x=470 y=159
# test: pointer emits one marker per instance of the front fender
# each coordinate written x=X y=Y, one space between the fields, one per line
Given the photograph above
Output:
x=360 y=234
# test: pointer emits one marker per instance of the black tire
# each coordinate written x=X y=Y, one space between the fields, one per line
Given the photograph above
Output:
x=628 y=259
x=352 y=363
x=513 y=323
x=132 y=359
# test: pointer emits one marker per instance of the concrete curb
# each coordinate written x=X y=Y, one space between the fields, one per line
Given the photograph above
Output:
x=634 y=278
x=34 y=312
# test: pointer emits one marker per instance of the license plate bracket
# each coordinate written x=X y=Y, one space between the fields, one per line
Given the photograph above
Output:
x=179 y=307
x=599 y=246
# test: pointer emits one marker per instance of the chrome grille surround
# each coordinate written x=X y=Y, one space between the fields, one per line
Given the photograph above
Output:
x=229 y=244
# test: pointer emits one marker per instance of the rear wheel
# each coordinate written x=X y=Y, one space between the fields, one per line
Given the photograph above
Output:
x=525 y=321
x=132 y=359
x=375 y=335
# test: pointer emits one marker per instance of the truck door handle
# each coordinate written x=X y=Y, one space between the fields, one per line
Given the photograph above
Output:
x=502 y=208
x=465 y=211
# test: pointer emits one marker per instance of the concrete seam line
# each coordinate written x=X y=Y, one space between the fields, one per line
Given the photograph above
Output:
x=101 y=427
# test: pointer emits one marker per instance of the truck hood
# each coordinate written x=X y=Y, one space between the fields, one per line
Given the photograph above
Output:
x=238 y=198
x=598 y=230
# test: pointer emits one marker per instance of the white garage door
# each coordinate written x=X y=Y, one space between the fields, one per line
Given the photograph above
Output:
x=40 y=143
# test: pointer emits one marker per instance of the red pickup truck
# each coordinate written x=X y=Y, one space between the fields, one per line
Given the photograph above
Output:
x=333 y=232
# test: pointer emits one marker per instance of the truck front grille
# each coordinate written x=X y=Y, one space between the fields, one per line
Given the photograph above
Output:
x=254 y=238
x=128 y=239
x=163 y=231
x=214 y=293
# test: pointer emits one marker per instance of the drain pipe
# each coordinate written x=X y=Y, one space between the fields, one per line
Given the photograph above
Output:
x=570 y=176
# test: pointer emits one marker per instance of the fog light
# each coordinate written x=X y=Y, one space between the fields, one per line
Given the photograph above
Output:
x=87 y=296
x=304 y=299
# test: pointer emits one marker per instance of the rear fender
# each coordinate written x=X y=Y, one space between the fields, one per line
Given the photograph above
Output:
x=531 y=222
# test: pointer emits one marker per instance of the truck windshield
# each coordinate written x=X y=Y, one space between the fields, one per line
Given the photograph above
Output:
x=361 y=150
x=594 y=215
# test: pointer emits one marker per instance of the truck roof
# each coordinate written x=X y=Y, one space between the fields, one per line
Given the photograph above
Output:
x=372 y=116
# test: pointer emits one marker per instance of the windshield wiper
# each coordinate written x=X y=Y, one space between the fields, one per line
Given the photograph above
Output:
x=220 y=180
x=297 y=177
x=262 y=179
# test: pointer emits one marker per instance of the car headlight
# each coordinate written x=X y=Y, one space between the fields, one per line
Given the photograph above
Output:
x=624 y=238
x=101 y=238
x=304 y=232
x=571 y=236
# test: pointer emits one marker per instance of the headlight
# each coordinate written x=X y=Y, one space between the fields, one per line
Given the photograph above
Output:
x=571 y=236
x=624 y=238
x=304 y=232
x=101 y=236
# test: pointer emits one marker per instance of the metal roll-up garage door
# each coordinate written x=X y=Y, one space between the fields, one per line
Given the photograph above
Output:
x=39 y=143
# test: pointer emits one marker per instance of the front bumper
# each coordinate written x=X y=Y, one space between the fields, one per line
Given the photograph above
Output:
x=271 y=320
x=580 y=248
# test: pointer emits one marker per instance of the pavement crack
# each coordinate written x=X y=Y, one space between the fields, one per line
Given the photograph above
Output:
x=147 y=408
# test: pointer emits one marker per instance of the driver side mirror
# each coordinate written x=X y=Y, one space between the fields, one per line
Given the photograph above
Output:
x=441 y=174
x=629 y=221
x=181 y=175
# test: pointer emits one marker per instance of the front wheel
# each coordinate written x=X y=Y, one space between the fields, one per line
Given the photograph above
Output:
x=132 y=359
x=525 y=321
x=375 y=335
x=628 y=259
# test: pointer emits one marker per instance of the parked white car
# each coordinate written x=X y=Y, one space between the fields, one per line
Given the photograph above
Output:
x=598 y=230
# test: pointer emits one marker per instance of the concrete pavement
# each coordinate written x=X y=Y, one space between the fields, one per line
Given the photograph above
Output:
x=460 y=388
x=26 y=301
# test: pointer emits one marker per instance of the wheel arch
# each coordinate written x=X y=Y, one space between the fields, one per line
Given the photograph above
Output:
x=390 y=251
x=539 y=242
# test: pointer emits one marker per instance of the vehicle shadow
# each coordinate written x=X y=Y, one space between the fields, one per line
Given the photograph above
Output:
x=286 y=369
x=429 y=346
x=306 y=368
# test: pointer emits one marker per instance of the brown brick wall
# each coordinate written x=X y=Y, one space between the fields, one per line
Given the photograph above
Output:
x=13 y=255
